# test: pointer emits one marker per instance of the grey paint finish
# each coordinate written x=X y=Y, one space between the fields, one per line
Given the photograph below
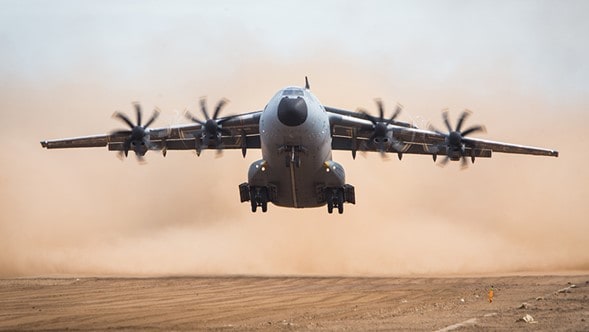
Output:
x=296 y=156
x=296 y=135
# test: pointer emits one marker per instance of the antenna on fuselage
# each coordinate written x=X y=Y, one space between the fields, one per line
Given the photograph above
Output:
x=307 y=83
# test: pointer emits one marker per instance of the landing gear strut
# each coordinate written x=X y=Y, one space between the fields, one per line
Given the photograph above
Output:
x=259 y=197
x=336 y=197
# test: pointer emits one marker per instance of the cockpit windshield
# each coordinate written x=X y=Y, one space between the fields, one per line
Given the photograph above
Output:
x=293 y=92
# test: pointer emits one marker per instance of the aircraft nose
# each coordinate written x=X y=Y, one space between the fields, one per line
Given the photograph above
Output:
x=292 y=111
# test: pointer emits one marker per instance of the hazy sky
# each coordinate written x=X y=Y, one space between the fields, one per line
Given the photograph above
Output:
x=541 y=42
x=65 y=66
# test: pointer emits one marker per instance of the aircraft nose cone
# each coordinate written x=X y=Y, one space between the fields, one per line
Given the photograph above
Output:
x=292 y=112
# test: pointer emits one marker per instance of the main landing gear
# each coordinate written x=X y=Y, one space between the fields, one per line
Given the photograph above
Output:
x=258 y=196
x=336 y=197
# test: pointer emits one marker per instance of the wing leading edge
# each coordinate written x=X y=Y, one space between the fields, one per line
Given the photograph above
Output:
x=239 y=132
x=353 y=132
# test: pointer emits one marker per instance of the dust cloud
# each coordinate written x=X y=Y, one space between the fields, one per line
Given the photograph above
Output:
x=84 y=212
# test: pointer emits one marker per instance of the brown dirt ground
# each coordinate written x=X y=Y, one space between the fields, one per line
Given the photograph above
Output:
x=294 y=303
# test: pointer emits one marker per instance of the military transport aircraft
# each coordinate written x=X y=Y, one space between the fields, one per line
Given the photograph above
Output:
x=297 y=135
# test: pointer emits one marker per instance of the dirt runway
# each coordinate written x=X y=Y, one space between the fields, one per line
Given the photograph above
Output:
x=294 y=303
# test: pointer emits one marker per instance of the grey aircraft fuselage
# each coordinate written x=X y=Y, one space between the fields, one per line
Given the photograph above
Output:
x=296 y=150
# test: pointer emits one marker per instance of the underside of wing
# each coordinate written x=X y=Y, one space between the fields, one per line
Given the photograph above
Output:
x=235 y=142
x=358 y=132
x=231 y=132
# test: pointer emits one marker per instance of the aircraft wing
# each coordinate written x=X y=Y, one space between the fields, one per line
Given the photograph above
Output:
x=77 y=142
x=351 y=131
x=238 y=132
x=358 y=115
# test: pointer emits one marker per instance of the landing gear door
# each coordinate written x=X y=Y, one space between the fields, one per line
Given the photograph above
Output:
x=349 y=194
x=244 y=192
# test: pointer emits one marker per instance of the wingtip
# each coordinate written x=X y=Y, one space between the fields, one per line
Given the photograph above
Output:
x=555 y=154
x=44 y=144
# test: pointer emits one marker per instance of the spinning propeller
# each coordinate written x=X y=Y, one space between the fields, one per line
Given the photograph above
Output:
x=212 y=128
x=455 y=148
x=382 y=136
x=137 y=136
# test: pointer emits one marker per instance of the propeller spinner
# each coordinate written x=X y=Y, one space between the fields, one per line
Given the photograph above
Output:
x=382 y=136
x=137 y=136
x=212 y=128
x=454 y=144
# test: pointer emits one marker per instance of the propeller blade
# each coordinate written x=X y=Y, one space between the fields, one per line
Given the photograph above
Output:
x=473 y=129
x=220 y=105
x=138 y=111
x=464 y=163
x=368 y=116
x=446 y=121
x=156 y=113
x=203 y=108
x=121 y=132
x=124 y=118
x=189 y=116
x=434 y=129
x=444 y=161
x=395 y=114
x=380 y=108
x=463 y=116
x=227 y=118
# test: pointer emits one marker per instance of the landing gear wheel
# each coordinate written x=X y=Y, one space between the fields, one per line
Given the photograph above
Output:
x=334 y=198
x=340 y=202
x=259 y=197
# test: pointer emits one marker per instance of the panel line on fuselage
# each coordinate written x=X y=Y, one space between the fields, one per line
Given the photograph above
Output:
x=293 y=185
x=304 y=147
